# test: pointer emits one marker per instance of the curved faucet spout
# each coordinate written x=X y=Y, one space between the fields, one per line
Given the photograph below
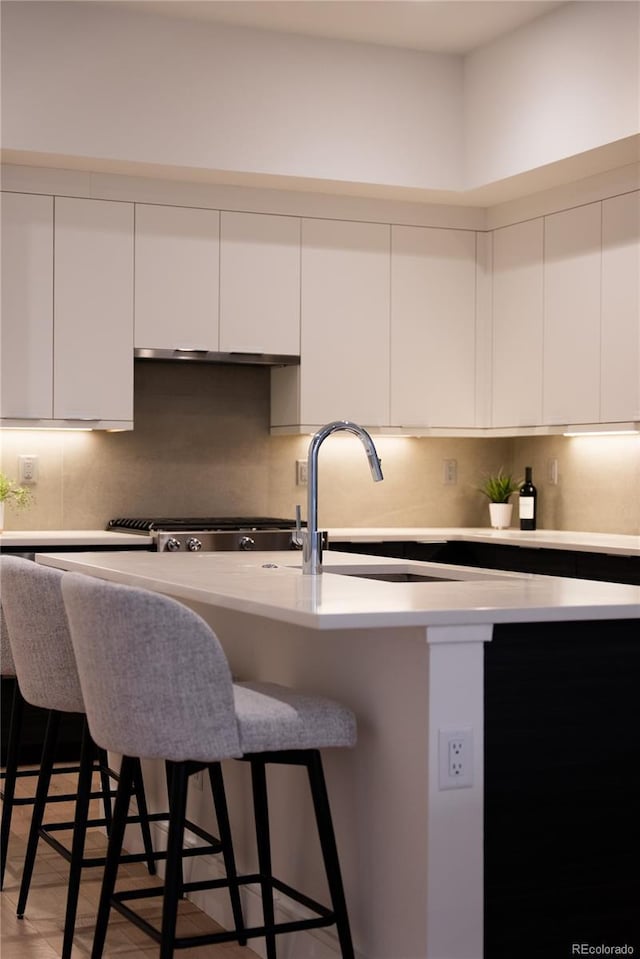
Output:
x=312 y=546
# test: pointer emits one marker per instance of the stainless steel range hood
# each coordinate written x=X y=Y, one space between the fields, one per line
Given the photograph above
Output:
x=209 y=356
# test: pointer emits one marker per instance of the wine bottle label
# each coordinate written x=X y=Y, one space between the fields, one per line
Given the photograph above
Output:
x=526 y=507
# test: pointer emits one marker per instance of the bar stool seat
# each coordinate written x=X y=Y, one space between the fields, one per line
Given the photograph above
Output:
x=271 y=717
x=157 y=684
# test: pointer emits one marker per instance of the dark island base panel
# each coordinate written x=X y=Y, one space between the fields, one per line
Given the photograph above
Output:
x=34 y=724
x=562 y=789
x=575 y=564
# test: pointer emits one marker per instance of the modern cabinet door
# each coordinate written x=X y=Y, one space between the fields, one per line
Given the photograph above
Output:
x=176 y=278
x=517 y=324
x=620 y=367
x=433 y=284
x=259 y=284
x=344 y=355
x=93 y=310
x=572 y=267
x=27 y=306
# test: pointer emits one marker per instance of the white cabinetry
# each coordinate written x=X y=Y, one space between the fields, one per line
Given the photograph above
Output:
x=620 y=361
x=259 y=284
x=572 y=269
x=517 y=324
x=67 y=319
x=344 y=369
x=176 y=278
x=93 y=310
x=433 y=289
x=26 y=376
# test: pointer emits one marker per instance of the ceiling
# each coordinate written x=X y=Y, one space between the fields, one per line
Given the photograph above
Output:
x=438 y=26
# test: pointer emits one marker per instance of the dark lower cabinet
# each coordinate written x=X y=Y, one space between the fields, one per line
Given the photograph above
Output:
x=562 y=789
x=519 y=559
x=34 y=723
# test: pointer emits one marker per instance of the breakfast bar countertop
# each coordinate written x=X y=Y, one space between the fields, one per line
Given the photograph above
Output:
x=272 y=585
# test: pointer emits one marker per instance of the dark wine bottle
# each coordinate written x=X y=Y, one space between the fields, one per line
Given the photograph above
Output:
x=528 y=501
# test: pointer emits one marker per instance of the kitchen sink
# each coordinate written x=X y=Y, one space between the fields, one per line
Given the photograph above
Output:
x=412 y=573
x=388 y=577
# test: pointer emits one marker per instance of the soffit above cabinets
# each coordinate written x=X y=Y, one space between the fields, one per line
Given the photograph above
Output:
x=436 y=26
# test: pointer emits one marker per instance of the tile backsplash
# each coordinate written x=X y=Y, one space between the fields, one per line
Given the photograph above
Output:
x=201 y=446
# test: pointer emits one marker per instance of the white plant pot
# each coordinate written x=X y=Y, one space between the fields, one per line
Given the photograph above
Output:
x=1 y=516
x=500 y=515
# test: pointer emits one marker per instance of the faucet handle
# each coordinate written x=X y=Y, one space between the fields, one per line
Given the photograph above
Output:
x=297 y=538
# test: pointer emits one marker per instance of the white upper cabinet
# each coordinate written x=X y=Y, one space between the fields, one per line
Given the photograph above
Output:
x=259 y=284
x=344 y=369
x=93 y=310
x=433 y=348
x=176 y=278
x=517 y=324
x=620 y=367
x=572 y=272
x=27 y=307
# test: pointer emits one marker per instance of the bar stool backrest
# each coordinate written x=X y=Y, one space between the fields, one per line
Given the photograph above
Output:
x=155 y=678
x=39 y=635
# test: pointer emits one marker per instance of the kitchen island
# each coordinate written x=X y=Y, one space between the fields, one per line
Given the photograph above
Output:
x=408 y=657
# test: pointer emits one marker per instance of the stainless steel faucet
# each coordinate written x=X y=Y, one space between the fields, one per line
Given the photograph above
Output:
x=312 y=541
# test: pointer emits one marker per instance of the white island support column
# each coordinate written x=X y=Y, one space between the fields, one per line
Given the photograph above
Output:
x=455 y=817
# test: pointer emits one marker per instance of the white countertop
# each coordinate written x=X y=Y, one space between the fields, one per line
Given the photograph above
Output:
x=50 y=538
x=272 y=585
x=615 y=543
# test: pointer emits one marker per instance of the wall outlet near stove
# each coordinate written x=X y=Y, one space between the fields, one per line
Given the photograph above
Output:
x=28 y=469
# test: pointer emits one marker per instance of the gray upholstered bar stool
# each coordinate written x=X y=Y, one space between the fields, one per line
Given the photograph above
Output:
x=36 y=623
x=13 y=772
x=157 y=684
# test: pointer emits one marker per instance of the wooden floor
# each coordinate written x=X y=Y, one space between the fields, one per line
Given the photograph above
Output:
x=39 y=934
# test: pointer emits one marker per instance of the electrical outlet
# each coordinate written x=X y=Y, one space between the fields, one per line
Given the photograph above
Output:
x=198 y=780
x=449 y=472
x=28 y=468
x=455 y=758
x=301 y=473
x=552 y=471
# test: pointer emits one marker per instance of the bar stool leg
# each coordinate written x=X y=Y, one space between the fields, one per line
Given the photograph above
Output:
x=173 y=875
x=261 y=814
x=329 y=851
x=168 y=772
x=81 y=815
x=105 y=785
x=143 y=811
x=42 y=791
x=121 y=809
x=11 y=770
x=222 y=815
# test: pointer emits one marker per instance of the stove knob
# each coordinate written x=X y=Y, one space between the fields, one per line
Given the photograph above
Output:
x=194 y=544
x=246 y=543
x=172 y=544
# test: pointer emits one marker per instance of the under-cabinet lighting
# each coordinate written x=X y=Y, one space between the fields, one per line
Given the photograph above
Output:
x=52 y=429
x=603 y=433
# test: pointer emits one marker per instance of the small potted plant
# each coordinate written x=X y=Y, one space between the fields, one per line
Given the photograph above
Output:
x=498 y=487
x=14 y=495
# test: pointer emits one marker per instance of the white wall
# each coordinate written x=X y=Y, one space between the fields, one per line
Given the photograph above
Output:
x=567 y=83
x=84 y=81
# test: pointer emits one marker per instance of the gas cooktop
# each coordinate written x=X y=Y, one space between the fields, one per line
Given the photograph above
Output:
x=201 y=523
